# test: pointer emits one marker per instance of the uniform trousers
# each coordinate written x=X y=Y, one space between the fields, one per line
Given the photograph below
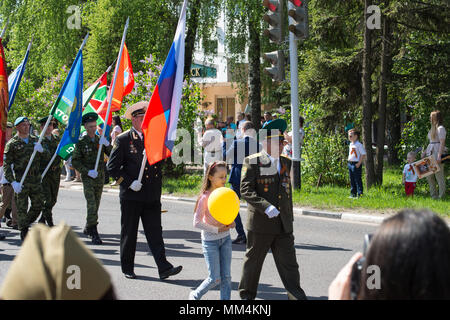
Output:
x=150 y=214
x=93 y=189
x=31 y=189
x=50 y=188
x=283 y=250
x=8 y=200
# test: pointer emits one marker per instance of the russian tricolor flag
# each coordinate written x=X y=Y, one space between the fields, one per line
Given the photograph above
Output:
x=161 y=118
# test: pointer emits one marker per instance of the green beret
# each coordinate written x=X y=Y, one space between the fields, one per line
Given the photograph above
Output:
x=43 y=120
x=89 y=117
x=275 y=128
x=19 y=120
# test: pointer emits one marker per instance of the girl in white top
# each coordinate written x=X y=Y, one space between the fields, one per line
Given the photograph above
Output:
x=436 y=148
x=117 y=128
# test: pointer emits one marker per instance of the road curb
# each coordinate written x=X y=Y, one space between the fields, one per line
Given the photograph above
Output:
x=344 y=216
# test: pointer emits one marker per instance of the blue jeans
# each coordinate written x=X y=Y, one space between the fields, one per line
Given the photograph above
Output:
x=355 y=179
x=239 y=227
x=218 y=260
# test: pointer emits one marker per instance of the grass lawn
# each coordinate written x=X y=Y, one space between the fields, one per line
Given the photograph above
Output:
x=388 y=198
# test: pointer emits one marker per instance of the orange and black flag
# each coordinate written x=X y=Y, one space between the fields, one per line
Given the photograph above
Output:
x=4 y=101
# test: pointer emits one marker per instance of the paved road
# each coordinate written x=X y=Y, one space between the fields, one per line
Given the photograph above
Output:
x=323 y=247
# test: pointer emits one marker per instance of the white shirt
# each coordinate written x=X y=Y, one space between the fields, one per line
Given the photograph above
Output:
x=355 y=151
x=434 y=145
x=410 y=173
x=212 y=141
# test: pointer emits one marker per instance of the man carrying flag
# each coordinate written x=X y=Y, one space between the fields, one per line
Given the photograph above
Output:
x=50 y=182
x=140 y=181
x=18 y=151
x=83 y=160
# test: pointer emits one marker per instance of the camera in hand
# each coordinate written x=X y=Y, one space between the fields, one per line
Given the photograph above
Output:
x=355 y=280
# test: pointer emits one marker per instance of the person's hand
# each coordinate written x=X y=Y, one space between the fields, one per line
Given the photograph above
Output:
x=358 y=165
x=17 y=186
x=136 y=186
x=339 y=289
x=272 y=212
x=424 y=154
x=225 y=228
x=38 y=147
x=439 y=158
x=93 y=174
x=104 y=142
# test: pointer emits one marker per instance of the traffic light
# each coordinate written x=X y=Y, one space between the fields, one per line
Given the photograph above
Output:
x=275 y=19
x=298 y=21
x=276 y=58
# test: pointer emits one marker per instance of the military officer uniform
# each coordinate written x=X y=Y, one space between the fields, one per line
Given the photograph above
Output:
x=266 y=186
x=83 y=159
x=17 y=153
x=50 y=182
x=138 y=201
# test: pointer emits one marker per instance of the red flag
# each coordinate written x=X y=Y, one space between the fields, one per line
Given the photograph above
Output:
x=4 y=99
x=124 y=85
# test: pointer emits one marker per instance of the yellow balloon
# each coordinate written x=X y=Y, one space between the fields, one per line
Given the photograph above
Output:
x=223 y=204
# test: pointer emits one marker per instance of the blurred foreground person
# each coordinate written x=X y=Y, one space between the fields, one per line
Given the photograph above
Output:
x=53 y=264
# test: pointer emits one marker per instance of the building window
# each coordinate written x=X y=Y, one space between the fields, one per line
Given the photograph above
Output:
x=225 y=107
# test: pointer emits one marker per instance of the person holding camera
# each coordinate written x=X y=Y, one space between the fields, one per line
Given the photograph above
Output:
x=411 y=250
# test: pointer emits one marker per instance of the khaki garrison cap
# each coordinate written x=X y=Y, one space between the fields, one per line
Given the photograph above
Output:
x=53 y=264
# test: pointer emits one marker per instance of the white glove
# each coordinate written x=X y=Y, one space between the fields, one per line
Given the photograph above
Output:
x=93 y=174
x=272 y=212
x=38 y=147
x=136 y=185
x=104 y=141
x=17 y=186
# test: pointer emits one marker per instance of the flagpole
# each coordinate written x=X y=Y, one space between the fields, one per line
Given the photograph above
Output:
x=41 y=136
x=141 y=172
x=4 y=29
x=105 y=124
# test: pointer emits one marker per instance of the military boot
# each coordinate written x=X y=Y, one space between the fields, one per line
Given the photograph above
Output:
x=50 y=222
x=95 y=236
x=87 y=231
x=41 y=219
x=23 y=234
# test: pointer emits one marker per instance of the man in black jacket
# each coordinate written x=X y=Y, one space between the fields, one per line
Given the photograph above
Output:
x=138 y=199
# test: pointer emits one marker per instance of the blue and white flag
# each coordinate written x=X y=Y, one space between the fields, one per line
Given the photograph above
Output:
x=15 y=77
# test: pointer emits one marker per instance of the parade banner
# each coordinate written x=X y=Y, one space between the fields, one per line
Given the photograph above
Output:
x=161 y=118
x=15 y=78
x=73 y=89
x=124 y=86
x=4 y=100
x=72 y=95
x=124 y=73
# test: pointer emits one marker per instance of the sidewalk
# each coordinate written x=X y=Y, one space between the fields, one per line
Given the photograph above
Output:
x=344 y=216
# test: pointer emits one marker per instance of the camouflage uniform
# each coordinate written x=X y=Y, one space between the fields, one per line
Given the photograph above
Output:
x=83 y=160
x=18 y=153
x=50 y=182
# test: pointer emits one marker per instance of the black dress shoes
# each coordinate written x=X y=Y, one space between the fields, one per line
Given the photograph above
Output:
x=130 y=275
x=170 y=272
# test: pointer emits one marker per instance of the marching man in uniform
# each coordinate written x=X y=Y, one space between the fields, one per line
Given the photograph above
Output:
x=83 y=160
x=138 y=199
x=18 y=152
x=50 y=182
x=266 y=186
